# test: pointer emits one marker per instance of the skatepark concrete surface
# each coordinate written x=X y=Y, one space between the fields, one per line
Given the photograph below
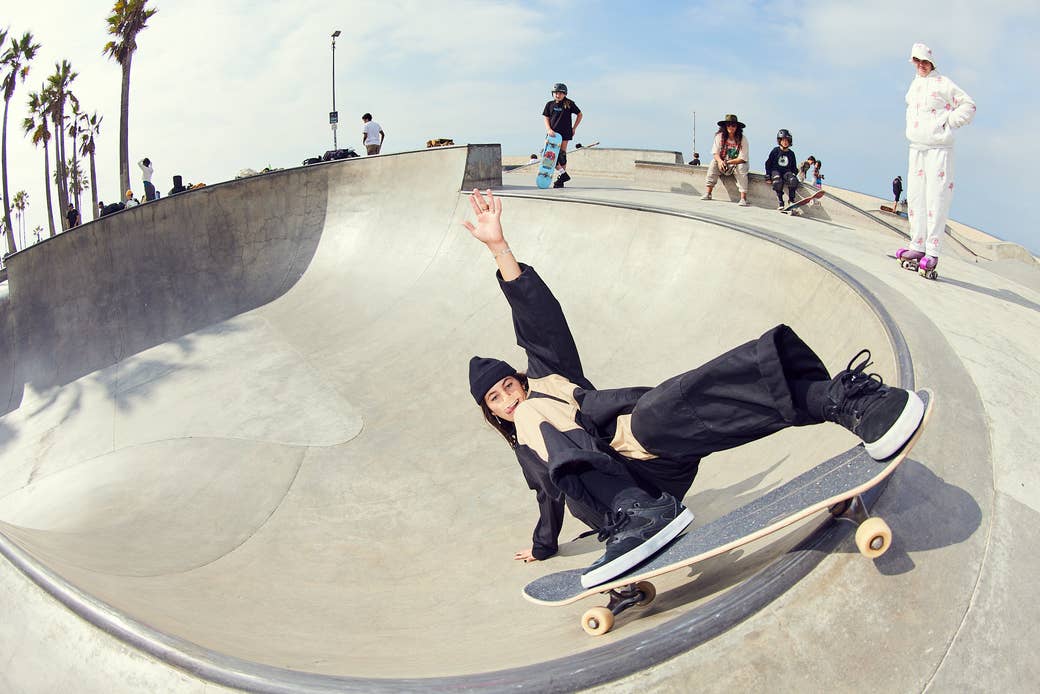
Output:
x=238 y=450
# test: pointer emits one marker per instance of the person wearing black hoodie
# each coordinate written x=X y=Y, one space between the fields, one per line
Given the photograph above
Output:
x=623 y=459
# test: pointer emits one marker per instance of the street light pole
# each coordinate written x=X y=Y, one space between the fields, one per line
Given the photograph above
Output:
x=334 y=116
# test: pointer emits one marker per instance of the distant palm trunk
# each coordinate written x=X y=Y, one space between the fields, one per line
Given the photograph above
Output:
x=124 y=128
x=93 y=186
x=7 y=208
x=59 y=171
x=47 y=186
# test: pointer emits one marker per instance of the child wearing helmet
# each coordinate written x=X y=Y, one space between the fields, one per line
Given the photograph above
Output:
x=558 y=114
x=782 y=167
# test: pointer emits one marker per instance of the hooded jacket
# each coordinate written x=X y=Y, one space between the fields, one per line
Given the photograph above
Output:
x=566 y=423
x=935 y=107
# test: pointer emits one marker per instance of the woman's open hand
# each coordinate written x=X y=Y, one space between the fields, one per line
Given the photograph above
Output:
x=525 y=556
x=488 y=210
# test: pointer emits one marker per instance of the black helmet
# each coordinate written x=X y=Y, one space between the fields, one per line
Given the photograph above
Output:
x=782 y=133
x=560 y=87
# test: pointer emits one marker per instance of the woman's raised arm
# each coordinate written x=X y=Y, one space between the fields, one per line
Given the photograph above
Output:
x=488 y=230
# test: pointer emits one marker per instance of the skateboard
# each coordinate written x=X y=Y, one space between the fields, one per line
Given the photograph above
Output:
x=549 y=155
x=539 y=161
x=890 y=210
x=835 y=485
x=804 y=201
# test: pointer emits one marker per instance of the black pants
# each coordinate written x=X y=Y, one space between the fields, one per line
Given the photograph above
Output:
x=745 y=394
x=780 y=181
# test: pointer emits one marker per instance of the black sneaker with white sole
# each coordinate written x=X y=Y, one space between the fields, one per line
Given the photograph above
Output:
x=882 y=416
x=637 y=529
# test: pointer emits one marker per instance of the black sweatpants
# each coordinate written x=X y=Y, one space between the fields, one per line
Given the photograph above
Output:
x=742 y=395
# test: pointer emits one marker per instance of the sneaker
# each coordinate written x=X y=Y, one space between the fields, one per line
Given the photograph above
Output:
x=564 y=177
x=706 y=196
x=781 y=206
x=638 y=528
x=744 y=203
x=882 y=416
x=558 y=184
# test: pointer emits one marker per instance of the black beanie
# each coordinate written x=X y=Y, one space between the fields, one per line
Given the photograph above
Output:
x=485 y=373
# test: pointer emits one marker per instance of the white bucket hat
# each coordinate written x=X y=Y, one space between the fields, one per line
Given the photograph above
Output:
x=922 y=52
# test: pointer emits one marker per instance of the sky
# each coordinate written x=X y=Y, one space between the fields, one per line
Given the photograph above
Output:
x=222 y=85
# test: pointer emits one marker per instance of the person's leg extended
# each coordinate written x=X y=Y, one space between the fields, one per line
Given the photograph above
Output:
x=916 y=200
x=561 y=166
x=764 y=386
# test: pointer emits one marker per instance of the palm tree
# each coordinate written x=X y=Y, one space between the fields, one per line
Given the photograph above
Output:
x=35 y=125
x=77 y=181
x=128 y=19
x=58 y=86
x=89 y=127
x=15 y=64
x=20 y=202
x=76 y=174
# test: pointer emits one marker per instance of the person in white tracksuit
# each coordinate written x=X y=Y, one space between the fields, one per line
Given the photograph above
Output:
x=935 y=108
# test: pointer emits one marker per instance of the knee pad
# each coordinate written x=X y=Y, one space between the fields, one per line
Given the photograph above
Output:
x=778 y=183
x=791 y=180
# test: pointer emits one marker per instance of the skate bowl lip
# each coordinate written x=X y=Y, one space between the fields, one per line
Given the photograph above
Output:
x=571 y=672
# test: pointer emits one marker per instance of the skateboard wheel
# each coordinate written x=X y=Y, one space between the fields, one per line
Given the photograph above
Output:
x=597 y=621
x=648 y=591
x=873 y=537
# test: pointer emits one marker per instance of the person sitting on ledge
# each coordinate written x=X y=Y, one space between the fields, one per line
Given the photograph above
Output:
x=729 y=157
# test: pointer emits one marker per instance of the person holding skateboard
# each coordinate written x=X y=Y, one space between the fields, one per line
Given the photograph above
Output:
x=782 y=168
x=623 y=459
x=729 y=157
x=935 y=107
x=558 y=114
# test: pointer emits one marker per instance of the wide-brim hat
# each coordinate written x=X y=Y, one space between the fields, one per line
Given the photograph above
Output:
x=921 y=52
x=730 y=118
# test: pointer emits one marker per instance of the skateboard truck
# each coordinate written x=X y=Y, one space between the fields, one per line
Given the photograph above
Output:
x=600 y=620
x=873 y=536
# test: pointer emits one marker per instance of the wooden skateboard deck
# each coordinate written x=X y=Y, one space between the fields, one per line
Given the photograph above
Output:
x=841 y=479
x=539 y=161
x=549 y=156
x=891 y=210
x=804 y=201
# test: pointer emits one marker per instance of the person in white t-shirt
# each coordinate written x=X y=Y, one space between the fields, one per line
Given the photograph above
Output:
x=146 y=176
x=372 y=134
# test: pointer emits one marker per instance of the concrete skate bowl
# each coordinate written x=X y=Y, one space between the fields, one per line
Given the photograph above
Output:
x=238 y=434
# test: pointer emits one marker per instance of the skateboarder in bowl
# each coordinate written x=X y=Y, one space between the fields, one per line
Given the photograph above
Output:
x=558 y=114
x=623 y=459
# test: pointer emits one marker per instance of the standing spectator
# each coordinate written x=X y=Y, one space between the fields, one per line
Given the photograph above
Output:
x=935 y=107
x=146 y=176
x=130 y=201
x=803 y=168
x=696 y=161
x=729 y=158
x=897 y=191
x=781 y=167
x=371 y=134
x=817 y=177
x=557 y=114
x=72 y=215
